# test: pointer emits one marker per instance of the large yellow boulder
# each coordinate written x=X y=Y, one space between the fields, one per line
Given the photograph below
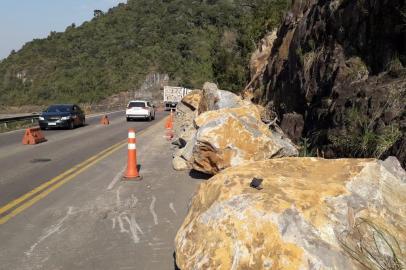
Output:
x=193 y=99
x=310 y=214
x=231 y=137
x=246 y=111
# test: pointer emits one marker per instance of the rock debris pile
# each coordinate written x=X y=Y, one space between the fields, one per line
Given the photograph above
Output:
x=216 y=129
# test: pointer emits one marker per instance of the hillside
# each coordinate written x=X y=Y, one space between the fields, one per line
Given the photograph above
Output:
x=192 y=41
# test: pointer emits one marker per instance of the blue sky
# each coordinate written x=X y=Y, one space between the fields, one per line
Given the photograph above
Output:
x=24 y=20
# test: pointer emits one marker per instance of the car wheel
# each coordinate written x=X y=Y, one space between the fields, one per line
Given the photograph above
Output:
x=83 y=122
x=150 y=117
x=71 y=125
x=43 y=128
x=153 y=117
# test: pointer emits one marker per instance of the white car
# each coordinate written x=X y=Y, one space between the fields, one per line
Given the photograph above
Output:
x=140 y=109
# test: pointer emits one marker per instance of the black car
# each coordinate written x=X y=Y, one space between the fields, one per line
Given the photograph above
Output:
x=62 y=116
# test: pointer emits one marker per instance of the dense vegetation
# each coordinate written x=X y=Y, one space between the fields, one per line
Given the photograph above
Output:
x=192 y=41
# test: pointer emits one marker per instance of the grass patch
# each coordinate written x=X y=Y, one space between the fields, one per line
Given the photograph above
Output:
x=372 y=246
x=361 y=137
x=305 y=149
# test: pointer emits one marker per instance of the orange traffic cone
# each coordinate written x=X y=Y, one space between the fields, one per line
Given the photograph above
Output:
x=169 y=127
x=104 y=120
x=168 y=123
x=132 y=170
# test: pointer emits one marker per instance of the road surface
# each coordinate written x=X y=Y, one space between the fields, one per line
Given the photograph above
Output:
x=64 y=205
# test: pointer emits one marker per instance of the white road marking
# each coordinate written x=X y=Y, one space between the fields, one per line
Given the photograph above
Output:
x=157 y=244
x=173 y=209
x=137 y=226
x=133 y=229
x=122 y=219
x=118 y=199
x=114 y=223
x=133 y=201
x=100 y=114
x=121 y=224
x=116 y=178
x=53 y=229
x=152 y=210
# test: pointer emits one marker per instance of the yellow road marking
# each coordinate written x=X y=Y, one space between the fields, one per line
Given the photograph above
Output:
x=50 y=182
x=84 y=165
x=38 y=193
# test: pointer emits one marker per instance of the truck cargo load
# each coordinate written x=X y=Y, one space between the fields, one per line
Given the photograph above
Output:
x=173 y=95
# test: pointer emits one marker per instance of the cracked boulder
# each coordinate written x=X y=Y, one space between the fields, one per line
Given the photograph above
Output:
x=309 y=214
x=232 y=137
x=215 y=99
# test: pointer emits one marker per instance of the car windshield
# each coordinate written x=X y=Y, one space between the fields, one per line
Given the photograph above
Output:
x=59 y=108
x=136 y=104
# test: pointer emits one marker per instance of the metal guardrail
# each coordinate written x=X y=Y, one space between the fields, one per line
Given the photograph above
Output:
x=7 y=120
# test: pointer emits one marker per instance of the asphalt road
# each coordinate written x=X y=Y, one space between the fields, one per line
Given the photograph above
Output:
x=89 y=218
x=24 y=167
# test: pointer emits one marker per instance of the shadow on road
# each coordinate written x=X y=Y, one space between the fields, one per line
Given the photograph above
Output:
x=174 y=262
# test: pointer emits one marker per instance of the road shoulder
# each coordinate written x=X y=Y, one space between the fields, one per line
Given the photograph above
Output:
x=97 y=221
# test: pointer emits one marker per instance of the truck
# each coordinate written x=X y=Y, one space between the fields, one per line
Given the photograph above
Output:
x=173 y=95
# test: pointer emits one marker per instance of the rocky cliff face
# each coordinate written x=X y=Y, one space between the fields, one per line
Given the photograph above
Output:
x=336 y=75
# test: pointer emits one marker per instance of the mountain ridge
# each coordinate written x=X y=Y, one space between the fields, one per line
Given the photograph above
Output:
x=191 y=41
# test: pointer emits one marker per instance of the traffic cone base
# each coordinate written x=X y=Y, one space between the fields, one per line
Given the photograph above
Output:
x=33 y=136
x=138 y=178
x=169 y=134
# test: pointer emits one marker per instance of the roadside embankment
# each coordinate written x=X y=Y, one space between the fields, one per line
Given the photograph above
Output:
x=265 y=208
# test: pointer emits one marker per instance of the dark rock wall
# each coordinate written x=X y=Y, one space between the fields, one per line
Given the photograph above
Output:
x=340 y=65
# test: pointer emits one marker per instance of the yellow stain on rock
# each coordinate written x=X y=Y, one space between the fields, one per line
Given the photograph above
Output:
x=193 y=99
x=240 y=112
x=241 y=137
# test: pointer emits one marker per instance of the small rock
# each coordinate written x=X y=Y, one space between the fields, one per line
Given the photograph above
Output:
x=256 y=183
x=179 y=164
